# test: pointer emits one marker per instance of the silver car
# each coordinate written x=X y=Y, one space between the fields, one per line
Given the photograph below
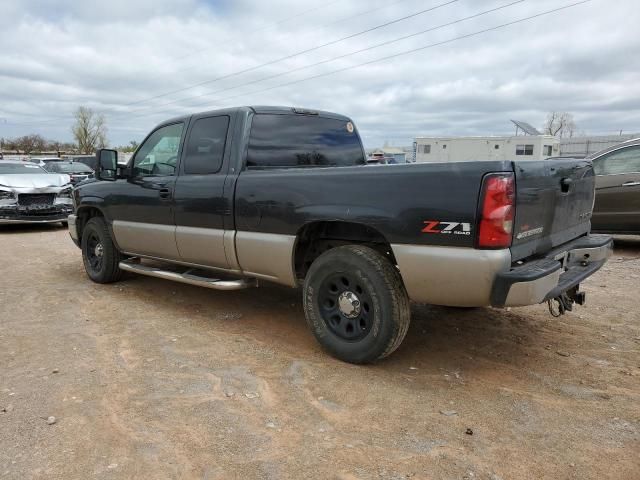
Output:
x=30 y=194
x=617 y=204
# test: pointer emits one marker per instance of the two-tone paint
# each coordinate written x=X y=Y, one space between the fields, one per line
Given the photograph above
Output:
x=248 y=221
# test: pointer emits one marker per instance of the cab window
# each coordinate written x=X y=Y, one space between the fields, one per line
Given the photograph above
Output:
x=302 y=141
x=626 y=160
x=204 y=148
x=158 y=155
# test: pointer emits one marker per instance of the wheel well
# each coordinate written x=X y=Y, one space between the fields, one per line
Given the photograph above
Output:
x=316 y=238
x=84 y=215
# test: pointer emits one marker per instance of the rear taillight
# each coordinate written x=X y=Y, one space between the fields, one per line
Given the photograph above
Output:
x=497 y=210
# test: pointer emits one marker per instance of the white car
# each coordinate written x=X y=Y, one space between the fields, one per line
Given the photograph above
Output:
x=43 y=161
x=30 y=194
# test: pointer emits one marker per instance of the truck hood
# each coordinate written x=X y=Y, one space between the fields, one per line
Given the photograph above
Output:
x=34 y=180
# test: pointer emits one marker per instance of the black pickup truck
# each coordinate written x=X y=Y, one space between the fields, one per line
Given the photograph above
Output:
x=228 y=198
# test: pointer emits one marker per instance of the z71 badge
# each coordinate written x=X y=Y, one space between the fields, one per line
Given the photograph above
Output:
x=447 y=228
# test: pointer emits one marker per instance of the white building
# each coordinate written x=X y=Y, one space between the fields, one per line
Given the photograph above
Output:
x=463 y=149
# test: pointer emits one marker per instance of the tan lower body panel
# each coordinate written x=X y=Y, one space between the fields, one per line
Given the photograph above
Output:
x=453 y=276
x=147 y=239
x=267 y=255
x=261 y=255
x=230 y=249
x=204 y=246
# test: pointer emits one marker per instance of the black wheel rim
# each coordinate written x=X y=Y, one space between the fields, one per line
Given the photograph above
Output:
x=346 y=307
x=95 y=252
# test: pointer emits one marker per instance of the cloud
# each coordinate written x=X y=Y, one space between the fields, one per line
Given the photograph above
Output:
x=111 y=56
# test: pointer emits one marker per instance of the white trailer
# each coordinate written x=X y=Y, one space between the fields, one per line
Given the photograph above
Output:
x=464 y=149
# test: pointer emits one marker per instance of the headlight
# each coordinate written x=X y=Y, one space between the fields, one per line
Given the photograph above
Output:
x=65 y=193
x=7 y=195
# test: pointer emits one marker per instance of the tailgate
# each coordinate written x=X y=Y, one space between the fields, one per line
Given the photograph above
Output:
x=554 y=201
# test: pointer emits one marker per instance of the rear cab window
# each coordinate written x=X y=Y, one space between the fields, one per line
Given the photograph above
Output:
x=303 y=141
x=205 y=145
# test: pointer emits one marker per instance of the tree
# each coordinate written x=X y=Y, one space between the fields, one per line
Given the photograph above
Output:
x=30 y=143
x=133 y=145
x=559 y=124
x=89 y=131
x=35 y=143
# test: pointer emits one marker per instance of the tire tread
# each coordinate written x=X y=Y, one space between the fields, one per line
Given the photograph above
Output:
x=391 y=280
x=111 y=256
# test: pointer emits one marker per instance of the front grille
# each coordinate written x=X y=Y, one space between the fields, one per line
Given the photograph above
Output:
x=36 y=212
x=31 y=199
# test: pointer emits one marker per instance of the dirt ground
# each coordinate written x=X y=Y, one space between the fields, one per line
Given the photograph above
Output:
x=151 y=379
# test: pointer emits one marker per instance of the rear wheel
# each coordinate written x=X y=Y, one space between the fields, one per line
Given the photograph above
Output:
x=355 y=304
x=99 y=254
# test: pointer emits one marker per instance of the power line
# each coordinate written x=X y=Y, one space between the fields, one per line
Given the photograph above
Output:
x=253 y=32
x=408 y=52
x=339 y=57
x=322 y=27
x=297 y=54
x=232 y=74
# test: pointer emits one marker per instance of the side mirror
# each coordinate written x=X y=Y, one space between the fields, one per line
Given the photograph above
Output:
x=107 y=164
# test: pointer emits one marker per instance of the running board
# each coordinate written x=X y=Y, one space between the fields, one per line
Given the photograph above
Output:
x=133 y=265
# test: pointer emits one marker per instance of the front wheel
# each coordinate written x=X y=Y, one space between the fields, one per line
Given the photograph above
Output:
x=355 y=304
x=99 y=254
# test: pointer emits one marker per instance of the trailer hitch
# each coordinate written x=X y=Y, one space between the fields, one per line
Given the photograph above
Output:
x=565 y=301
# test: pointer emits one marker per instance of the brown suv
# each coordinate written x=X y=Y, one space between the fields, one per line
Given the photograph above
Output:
x=617 y=204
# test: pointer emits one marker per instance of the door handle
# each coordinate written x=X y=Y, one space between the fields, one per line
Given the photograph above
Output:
x=630 y=184
x=165 y=193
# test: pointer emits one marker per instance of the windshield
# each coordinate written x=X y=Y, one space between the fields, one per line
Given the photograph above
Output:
x=11 y=168
x=69 y=167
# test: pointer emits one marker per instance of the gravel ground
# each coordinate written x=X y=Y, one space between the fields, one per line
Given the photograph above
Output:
x=151 y=379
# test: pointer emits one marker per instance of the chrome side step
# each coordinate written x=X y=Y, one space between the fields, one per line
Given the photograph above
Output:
x=134 y=265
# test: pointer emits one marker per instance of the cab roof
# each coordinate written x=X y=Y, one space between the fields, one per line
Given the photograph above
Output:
x=277 y=110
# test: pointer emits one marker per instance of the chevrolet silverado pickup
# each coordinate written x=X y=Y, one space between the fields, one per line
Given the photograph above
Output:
x=230 y=198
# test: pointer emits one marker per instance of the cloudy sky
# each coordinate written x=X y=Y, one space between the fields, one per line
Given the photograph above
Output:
x=139 y=62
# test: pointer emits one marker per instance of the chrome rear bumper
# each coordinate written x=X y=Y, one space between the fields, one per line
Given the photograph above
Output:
x=468 y=277
x=546 y=278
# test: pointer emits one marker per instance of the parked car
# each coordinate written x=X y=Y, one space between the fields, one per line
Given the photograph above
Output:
x=30 y=194
x=376 y=161
x=43 y=161
x=228 y=198
x=78 y=171
x=379 y=159
x=617 y=205
x=89 y=160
